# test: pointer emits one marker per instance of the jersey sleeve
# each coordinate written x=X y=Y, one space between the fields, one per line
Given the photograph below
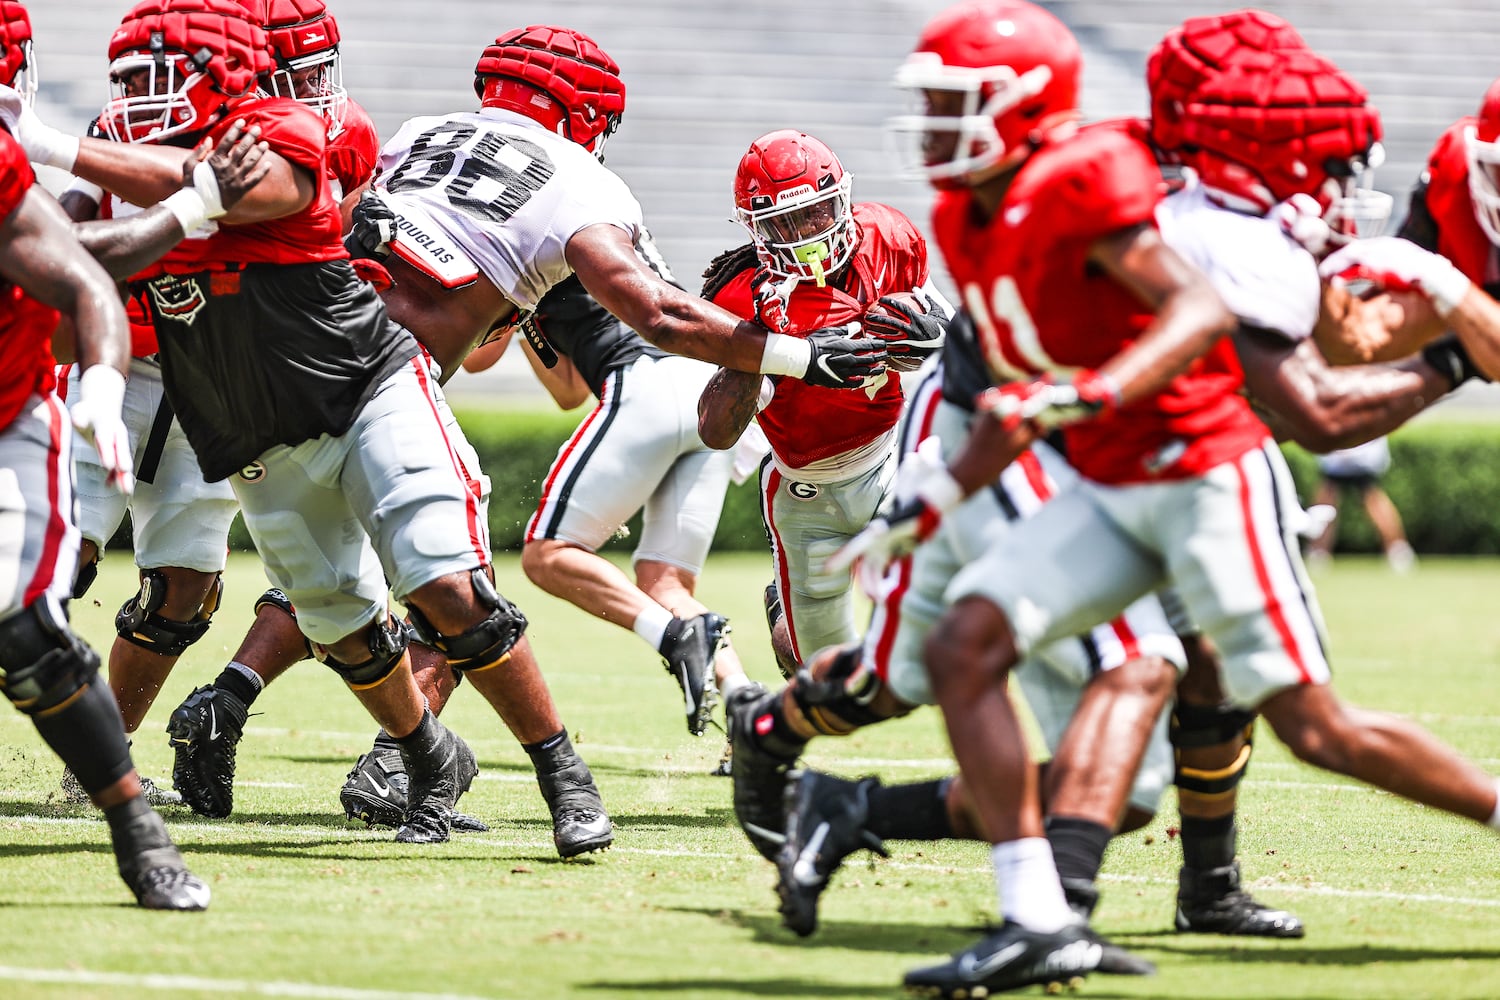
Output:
x=904 y=249
x=15 y=174
x=353 y=152
x=293 y=131
x=1109 y=182
x=604 y=198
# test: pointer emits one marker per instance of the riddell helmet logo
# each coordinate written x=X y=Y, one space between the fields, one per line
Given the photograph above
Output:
x=177 y=298
x=313 y=38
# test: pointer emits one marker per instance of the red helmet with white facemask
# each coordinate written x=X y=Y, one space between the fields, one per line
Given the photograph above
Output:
x=792 y=194
x=994 y=77
x=556 y=76
x=1482 y=146
x=17 y=61
x=305 y=42
x=175 y=64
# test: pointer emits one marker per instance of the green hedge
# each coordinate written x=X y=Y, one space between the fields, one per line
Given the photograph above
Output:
x=1445 y=478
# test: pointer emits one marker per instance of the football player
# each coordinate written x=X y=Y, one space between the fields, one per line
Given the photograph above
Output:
x=637 y=450
x=817 y=259
x=45 y=669
x=288 y=375
x=1162 y=498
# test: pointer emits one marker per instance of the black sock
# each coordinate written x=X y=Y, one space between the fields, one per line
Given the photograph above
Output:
x=553 y=754
x=89 y=737
x=1077 y=846
x=237 y=684
x=426 y=736
x=122 y=815
x=1208 y=843
x=910 y=812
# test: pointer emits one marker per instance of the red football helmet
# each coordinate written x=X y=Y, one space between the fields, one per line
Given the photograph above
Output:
x=1274 y=124
x=17 y=61
x=174 y=64
x=994 y=76
x=556 y=76
x=793 y=195
x=1197 y=50
x=305 y=42
x=1482 y=144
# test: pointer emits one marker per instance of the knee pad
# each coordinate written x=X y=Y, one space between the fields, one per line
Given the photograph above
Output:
x=275 y=598
x=139 y=623
x=1201 y=727
x=487 y=644
x=387 y=640
x=840 y=702
x=87 y=573
x=42 y=663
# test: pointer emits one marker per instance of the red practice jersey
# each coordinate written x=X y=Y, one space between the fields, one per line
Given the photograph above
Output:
x=807 y=423
x=1452 y=207
x=25 y=324
x=353 y=151
x=297 y=134
x=1039 y=306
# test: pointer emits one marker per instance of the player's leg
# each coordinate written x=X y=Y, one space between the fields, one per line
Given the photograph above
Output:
x=51 y=675
x=416 y=496
x=1387 y=520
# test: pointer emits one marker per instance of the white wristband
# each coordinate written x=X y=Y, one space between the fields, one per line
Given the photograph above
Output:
x=207 y=185
x=61 y=151
x=1446 y=287
x=940 y=491
x=785 y=355
x=92 y=192
x=103 y=388
x=189 y=208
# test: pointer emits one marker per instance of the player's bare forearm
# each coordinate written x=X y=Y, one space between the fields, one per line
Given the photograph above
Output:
x=988 y=449
x=562 y=381
x=1477 y=323
x=1323 y=407
x=43 y=259
x=1190 y=316
x=125 y=246
x=727 y=406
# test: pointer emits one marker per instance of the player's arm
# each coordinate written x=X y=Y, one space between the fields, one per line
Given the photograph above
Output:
x=1190 y=316
x=728 y=403
x=233 y=168
x=606 y=262
x=562 y=381
x=1323 y=407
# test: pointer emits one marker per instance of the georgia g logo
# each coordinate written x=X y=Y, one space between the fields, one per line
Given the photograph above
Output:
x=803 y=491
x=178 y=298
x=254 y=472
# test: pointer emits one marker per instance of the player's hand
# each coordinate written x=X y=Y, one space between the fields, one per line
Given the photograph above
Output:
x=41 y=142
x=1047 y=403
x=1396 y=265
x=911 y=329
x=96 y=415
x=771 y=300
x=911 y=520
x=372 y=227
x=840 y=360
x=234 y=166
x=1301 y=218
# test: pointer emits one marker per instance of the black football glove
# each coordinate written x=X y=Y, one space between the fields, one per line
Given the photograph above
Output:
x=911 y=336
x=1448 y=356
x=840 y=361
x=372 y=228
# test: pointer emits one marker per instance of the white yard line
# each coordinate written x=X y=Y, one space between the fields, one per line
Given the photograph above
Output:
x=199 y=984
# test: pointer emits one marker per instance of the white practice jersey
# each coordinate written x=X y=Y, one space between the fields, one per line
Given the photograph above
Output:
x=1264 y=276
x=504 y=191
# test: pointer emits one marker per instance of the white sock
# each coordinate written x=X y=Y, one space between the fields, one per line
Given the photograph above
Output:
x=651 y=624
x=1494 y=819
x=1030 y=892
x=731 y=684
x=255 y=679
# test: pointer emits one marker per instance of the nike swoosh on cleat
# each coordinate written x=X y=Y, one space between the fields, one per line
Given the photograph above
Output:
x=381 y=789
x=213 y=723
x=760 y=831
x=805 y=870
x=999 y=960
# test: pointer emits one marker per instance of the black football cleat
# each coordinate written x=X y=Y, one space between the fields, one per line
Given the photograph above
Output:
x=1211 y=902
x=203 y=732
x=434 y=779
x=153 y=868
x=375 y=790
x=579 y=823
x=1010 y=959
x=689 y=657
x=825 y=823
x=156 y=795
x=759 y=776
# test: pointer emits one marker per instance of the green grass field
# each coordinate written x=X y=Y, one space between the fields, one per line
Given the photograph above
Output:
x=1399 y=901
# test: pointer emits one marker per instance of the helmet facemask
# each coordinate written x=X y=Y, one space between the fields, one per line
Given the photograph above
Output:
x=316 y=80
x=1484 y=181
x=1356 y=211
x=26 y=80
x=156 y=95
x=803 y=233
x=971 y=140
